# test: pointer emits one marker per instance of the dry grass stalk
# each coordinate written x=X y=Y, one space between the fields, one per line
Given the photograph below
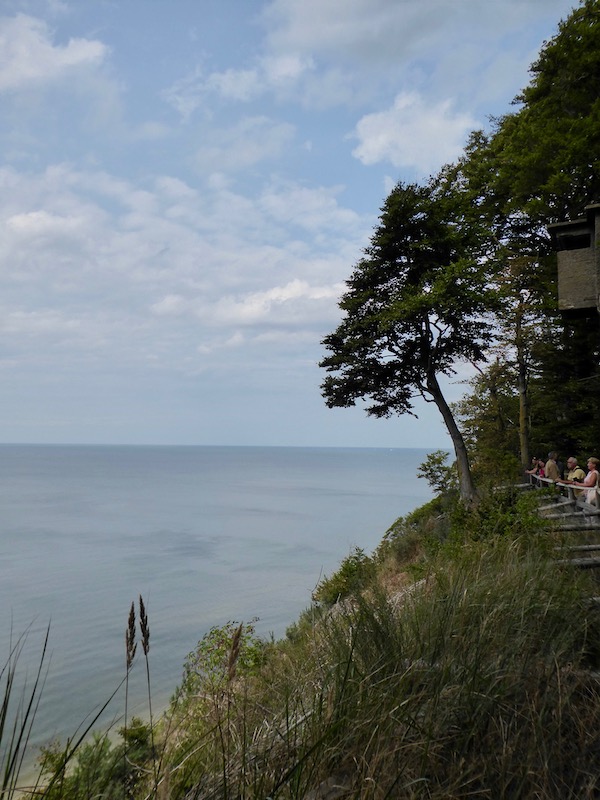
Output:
x=234 y=653
x=145 y=630
x=163 y=786
x=130 y=645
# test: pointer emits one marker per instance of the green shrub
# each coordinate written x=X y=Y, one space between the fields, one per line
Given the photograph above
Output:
x=305 y=623
x=100 y=769
x=418 y=534
x=441 y=476
x=208 y=667
x=355 y=573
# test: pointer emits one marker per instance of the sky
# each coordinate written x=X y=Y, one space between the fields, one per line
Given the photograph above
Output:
x=186 y=185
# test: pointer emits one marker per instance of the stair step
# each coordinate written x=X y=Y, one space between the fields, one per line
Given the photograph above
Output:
x=582 y=563
x=557 y=504
x=572 y=526
x=580 y=548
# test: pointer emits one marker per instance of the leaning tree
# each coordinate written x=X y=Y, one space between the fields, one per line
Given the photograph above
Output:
x=415 y=304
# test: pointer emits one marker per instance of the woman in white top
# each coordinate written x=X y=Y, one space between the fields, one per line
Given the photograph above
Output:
x=590 y=482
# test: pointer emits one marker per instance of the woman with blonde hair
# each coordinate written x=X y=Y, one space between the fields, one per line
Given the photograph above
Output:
x=591 y=481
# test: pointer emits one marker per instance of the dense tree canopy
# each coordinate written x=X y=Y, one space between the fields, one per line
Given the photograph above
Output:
x=541 y=164
x=449 y=254
x=415 y=304
x=543 y=160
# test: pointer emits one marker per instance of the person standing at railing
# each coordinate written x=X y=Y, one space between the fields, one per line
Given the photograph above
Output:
x=537 y=467
x=534 y=467
x=551 y=469
x=575 y=474
x=590 y=482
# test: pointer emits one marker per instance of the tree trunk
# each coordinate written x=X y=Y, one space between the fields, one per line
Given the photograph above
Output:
x=522 y=389
x=468 y=492
x=523 y=416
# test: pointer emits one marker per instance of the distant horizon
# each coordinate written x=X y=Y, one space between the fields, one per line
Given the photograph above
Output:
x=248 y=446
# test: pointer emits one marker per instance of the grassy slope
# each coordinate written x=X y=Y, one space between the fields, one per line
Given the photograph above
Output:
x=458 y=662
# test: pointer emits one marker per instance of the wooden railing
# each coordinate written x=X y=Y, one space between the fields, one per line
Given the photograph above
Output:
x=570 y=492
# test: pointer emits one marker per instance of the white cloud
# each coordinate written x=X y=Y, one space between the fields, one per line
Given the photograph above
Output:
x=310 y=208
x=315 y=55
x=28 y=56
x=377 y=46
x=413 y=133
x=250 y=141
x=196 y=90
x=186 y=95
x=41 y=322
x=42 y=223
x=273 y=341
x=90 y=260
x=269 y=73
x=171 y=304
x=281 y=304
x=149 y=131
x=297 y=302
x=380 y=30
x=236 y=84
x=280 y=70
x=318 y=25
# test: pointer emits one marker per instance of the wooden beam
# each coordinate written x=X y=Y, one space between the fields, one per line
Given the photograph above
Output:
x=582 y=563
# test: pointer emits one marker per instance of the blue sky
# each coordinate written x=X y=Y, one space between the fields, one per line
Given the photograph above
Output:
x=186 y=185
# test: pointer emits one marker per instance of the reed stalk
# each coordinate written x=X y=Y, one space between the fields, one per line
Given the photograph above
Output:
x=16 y=732
x=145 y=639
x=130 y=650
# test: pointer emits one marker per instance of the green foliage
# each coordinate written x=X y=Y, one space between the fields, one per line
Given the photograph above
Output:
x=413 y=306
x=207 y=667
x=354 y=574
x=441 y=476
x=91 y=773
x=99 y=768
x=305 y=624
x=17 y=713
x=563 y=371
x=564 y=389
x=412 y=540
x=540 y=165
x=554 y=139
x=489 y=417
x=473 y=686
x=502 y=512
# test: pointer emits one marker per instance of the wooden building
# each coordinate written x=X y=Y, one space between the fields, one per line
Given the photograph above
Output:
x=578 y=248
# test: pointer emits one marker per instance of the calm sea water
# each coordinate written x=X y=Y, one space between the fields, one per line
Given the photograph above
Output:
x=204 y=534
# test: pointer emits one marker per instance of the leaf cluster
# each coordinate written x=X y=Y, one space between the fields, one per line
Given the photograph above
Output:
x=206 y=668
x=353 y=575
x=415 y=303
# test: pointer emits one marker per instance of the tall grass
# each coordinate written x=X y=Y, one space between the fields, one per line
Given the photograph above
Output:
x=17 y=713
x=480 y=685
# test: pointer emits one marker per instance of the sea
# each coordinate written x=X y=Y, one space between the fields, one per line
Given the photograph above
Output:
x=206 y=535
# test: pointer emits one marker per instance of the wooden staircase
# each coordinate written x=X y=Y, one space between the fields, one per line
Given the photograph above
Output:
x=570 y=513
